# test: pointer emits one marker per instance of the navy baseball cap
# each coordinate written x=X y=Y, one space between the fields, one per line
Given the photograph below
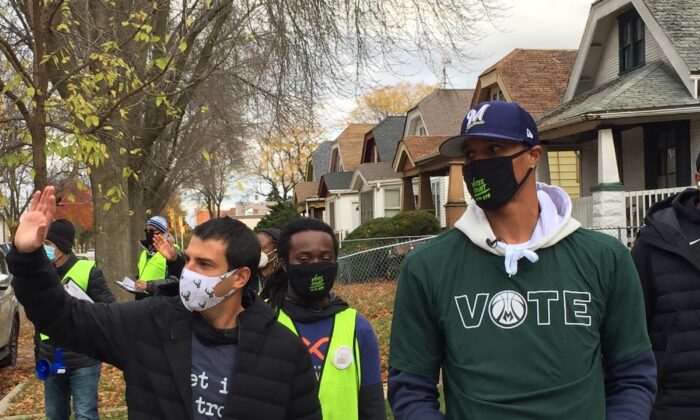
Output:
x=495 y=120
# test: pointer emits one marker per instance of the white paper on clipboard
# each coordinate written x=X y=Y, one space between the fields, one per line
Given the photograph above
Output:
x=74 y=290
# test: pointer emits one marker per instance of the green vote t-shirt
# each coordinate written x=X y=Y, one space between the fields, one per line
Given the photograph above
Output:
x=523 y=347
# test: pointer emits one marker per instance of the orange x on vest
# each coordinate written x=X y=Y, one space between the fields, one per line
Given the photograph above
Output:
x=315 y=348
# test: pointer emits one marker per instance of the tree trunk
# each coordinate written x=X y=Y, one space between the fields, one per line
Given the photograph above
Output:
x=114 y=245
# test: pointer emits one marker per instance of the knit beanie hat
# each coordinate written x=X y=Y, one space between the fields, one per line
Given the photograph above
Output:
x=158 y=222
x=62 y=233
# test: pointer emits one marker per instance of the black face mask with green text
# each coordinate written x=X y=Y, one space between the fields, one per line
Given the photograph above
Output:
x=491 y=182
x=312 y=280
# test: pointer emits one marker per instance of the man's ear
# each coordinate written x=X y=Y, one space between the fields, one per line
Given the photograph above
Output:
x=535 y=155
x=240 y=278
x=283 y=264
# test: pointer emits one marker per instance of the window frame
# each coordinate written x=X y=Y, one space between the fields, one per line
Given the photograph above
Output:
x=634 y=47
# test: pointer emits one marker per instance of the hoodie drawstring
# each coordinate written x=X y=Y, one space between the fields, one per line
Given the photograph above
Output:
x=513 y=253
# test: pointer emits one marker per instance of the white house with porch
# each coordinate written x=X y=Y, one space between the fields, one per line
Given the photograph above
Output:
x=631 y=109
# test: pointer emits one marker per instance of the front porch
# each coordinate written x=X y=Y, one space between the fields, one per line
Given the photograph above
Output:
x=626 y=166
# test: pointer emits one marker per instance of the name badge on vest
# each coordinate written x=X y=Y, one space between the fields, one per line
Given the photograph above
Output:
x=342 y=358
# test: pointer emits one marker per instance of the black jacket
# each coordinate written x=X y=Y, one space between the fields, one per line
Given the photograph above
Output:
x=99 y=292
x=150 y=340
x=669 y=269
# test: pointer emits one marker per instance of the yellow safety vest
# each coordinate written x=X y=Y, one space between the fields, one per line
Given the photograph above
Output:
x=80 y=274
x=341 y=373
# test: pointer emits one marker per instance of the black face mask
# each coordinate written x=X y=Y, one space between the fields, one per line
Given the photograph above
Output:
x=149 y=237
x=491 y=182
x=313 y=280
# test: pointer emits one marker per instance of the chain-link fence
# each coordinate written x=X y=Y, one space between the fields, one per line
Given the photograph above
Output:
x=372 y=260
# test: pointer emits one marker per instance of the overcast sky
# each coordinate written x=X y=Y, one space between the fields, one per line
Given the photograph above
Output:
x=527 y=24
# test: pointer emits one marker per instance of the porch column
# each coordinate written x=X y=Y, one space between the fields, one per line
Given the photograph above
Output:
x=407 y=200
x=455 y=205
x=608 y=194
x=543 y=174
x=425 y=198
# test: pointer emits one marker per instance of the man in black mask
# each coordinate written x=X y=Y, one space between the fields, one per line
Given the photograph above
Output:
x=526 y=315
x=161 y=261
x=341 y=342
x=667 y=255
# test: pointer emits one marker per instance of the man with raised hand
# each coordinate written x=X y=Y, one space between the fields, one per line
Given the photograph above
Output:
x=214 y=351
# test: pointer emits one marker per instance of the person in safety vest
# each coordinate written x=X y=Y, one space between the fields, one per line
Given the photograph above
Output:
x=215 y=351
x=160 y=263
x=83 y=373
x=341 y=342
x=520 y=311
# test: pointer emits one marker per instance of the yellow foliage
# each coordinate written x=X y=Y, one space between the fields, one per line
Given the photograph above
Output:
x=389 y=100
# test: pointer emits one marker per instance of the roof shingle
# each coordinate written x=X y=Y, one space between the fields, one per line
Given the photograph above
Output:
x=654 y=86
x=387 y=135
x=321 y=158
x=444 y=109
x=680 y=20
x=535 y=79
x=304 y=191
x=421 y=147
x=350 y=143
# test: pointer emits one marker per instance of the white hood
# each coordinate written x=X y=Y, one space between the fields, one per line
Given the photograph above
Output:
x=554 y=224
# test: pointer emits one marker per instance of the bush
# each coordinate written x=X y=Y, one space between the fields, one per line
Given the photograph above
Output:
x=279 y=215
x=409 y=223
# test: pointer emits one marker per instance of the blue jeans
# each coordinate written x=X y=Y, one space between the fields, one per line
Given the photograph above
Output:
x=82 y=384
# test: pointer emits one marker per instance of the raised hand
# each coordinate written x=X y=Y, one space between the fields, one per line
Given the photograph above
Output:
x=165 y=247
x=34 y=224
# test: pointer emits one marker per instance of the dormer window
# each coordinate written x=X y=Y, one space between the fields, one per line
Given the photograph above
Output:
x=631 y=41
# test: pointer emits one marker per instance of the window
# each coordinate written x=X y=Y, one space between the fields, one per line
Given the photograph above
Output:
x=496 y=95
x=366 y=206
x=331 y=214
x=336 y=166
x=435 y=187
x=631 y=41
x=421 y=130
x=392 y=202
x=667 y=155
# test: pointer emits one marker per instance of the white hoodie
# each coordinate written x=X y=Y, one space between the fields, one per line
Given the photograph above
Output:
x=554 y=224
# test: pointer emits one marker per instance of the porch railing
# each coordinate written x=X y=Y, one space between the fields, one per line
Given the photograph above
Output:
x=637 y=203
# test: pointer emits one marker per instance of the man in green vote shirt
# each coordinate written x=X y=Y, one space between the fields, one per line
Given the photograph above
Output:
x=528 y=315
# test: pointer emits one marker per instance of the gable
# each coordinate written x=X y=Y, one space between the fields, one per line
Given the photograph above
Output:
x=534 y=78
x=596 y=62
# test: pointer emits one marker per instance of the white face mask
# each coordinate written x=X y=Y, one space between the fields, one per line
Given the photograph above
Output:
x=265 y=258
x=197 y=290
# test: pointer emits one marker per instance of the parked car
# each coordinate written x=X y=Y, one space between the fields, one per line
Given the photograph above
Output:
x=9 y=315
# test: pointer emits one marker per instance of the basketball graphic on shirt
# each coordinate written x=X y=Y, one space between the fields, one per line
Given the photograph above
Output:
x=508 y=309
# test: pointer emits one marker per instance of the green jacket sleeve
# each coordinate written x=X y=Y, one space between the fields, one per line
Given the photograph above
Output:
x=624 y=331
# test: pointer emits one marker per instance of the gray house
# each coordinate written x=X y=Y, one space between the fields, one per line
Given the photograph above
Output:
x=631 y=108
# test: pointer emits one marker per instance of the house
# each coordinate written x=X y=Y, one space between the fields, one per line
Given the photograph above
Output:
x=341 y=202
x=631 y=108
x=306 y=198
x=536 y=79
x=250 y=213
x=378 y=185
x=435 y=118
